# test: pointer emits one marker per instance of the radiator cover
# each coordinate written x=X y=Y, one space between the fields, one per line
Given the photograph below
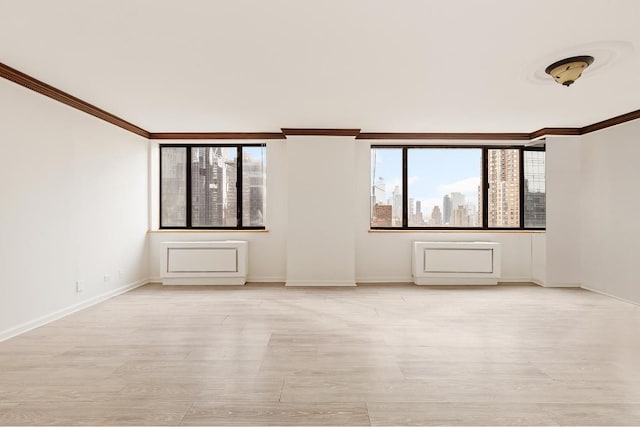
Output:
x=204 y=263
x=456 y=263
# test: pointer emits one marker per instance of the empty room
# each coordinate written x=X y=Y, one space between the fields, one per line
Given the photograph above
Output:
x=322 y=212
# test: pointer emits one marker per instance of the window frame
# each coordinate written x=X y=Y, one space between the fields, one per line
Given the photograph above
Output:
x=239 y=178
x=484 y=186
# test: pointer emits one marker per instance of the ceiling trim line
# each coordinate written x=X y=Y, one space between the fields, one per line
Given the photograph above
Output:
x=554 y=131
x=617 y=120
x=444 y=136
x=216 y=135
x=319 y=132
x=42 y=88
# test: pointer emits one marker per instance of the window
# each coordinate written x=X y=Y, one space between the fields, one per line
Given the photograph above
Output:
x=419 y=187
x=535 y=212
x=173 y=183
x=212 y=186
x=503 y=188
x=386 y=187
x=443 y=187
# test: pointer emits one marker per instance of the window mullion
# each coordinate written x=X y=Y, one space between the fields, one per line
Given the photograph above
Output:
x=160 y=187
x=188 y=182
x=405 y=188
x=239 y=186
x=521 y=187
x=485 y=188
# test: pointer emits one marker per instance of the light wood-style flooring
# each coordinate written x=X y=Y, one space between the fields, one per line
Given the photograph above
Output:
x=372 y=355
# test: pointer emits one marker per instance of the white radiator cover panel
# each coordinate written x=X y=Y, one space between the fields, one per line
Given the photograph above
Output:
x=456 y=263
x=204 y=263
x=202 y=260
x=449 y=260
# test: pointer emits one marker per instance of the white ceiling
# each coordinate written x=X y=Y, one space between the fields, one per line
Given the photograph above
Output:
x=386 y=66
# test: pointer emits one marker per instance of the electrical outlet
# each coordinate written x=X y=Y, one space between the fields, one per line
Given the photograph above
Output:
x=79 y=286
x=120 y=274
x=107 y=277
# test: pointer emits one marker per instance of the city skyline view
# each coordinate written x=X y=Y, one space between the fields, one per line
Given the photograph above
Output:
x=443 y=186
x=432 y=175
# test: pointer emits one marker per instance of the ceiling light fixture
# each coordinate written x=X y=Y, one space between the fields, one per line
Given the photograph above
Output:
x=566 y=71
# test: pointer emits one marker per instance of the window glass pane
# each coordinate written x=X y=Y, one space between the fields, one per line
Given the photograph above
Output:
x=535 y=211
x=504 y=188
x=253 y=186
x=444 y=186
x=173 y=187
x=214 y=175
x=386 y=187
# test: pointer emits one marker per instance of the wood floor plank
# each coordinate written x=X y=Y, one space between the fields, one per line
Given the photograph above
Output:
x=191 y=368
x=274 y=414
x=5 y=406
x=61 y=392
x=469 y=370
x=96 y=413
x=613 y=414
x=458 y=414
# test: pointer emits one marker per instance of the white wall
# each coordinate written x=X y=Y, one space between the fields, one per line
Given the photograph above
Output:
x=73 y=206
x=610 y=229
x=563 y=182
x=321 y=190
x=539 y=258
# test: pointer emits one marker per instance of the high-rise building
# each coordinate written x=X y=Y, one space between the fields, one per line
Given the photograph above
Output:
x=213 y=187
x=207 y=179
x=378 y=193
x=228 y=193
x=382 y=216
x=534 y=189
x=535 y=213
x=174 y=187
x=457 y=199
x=504 y=189
x=446 y=209
x=472 y=214
x=436 y=216
x=396 y=204
x=480 y=207
x=253 y=191
x=419 y=218
x=415 y=214
x=460 y=217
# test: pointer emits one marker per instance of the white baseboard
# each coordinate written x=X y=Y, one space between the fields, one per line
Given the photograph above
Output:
x=561 y=285
x=258 y=279
x=266 y=279
x=610 y=296
x=453 y=281
x=41 y=321
x=204 y=281
x=409 y=279
x=516 y=280
x=319 y=283
x=543 y=284
x=393 y=279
